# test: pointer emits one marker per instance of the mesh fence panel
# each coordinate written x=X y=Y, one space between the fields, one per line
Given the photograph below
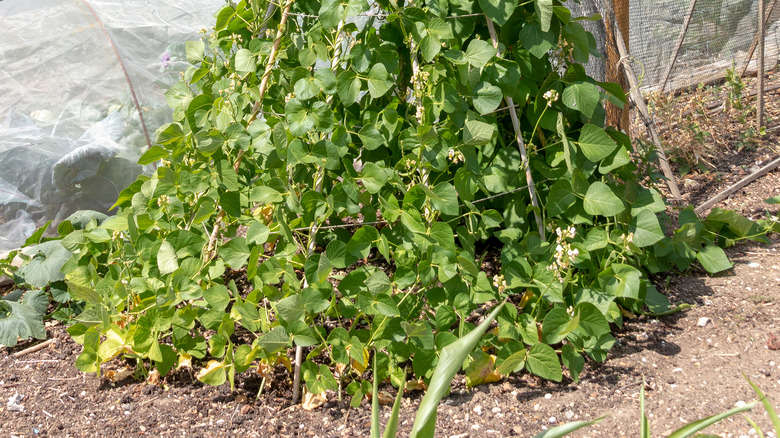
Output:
x=719 y=36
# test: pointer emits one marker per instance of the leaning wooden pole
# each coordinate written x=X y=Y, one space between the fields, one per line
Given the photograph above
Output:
x=761 y=72
x=639 y=102
x=753 y=45
x=510 y=103
x=678 y=45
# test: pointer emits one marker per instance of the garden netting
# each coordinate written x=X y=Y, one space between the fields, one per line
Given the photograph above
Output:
x=70 y=131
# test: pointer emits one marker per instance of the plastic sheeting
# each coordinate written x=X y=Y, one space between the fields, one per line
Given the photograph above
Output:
x=70 y=133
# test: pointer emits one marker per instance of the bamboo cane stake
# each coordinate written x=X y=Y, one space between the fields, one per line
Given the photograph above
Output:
x=33 y=349
x=736 y=186
x=678 y=45
x=255 y=109
x=520 y=143
x=755 y=38
x=761 y=43
x=636 y=97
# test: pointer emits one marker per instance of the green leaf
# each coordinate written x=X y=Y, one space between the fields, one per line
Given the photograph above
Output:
x=445 y=199
x=595 y=143
x=275 y=340
x=199 y=103
x=479 y=52
x=245 y=61
x=235 y=253
x=373 y=177
x=600 y=200
x=646 y=228
x=298 y=117
x=573 y=361
x=543 y=362
x=152 y=154
x=371 y=137
x=581 y=96
x=544 y=8
x=217 y=296
x=379 y=81
x=557 y=324
x=476 y=133
x=194 y=50
x=450 y=361
x=498 y=10
x=486 y=97
x=713 y=259
x=167 y=262
x=348 y=87
x=48 y=258
x=19 y=321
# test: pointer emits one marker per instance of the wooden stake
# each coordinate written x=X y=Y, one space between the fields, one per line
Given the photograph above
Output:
x=755 y=39
x=761 y=40
x=741 y=183
x=520 y=143
x=33 y=349
x=636 y=97
x=678 y=45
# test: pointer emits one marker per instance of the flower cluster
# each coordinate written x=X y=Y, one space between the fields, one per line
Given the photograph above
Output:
x=564 y=253
x=163 y=200
x=500 y=283
x=456 y=156
x=419 y=80
x=627 y=239
x=551 y=96
x=288 y=97
x=119 y=235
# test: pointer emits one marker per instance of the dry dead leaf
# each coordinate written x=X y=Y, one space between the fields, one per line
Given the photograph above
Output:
x=313 y=401
x=416 y=385
x=153 y=378
x=118 y=375
x=385 y=398
x=264 y=370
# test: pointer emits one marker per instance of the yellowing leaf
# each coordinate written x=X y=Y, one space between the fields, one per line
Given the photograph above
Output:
x=284 y=360
x=213 y=374
x=360 y=367
x=185 y=361
x=482 y=370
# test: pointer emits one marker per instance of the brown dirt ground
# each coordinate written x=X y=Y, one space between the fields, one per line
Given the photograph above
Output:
x=691 y=371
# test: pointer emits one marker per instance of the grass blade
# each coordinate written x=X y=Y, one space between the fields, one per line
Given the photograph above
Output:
x=565 y=429
x=756 y=427
x=767 y=404
x=452 y=357
x=375 y=404
x=695 y=426
x=644 y=425
x=392 y=424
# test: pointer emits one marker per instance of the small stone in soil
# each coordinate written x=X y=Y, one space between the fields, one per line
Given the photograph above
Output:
x=703 y=321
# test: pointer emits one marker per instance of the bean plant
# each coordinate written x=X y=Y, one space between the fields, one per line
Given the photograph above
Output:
x=359 y=182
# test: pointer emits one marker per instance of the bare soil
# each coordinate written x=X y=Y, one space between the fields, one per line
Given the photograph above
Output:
x=691 y=364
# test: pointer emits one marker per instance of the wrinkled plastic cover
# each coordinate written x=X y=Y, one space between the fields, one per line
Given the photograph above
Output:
x=70 y=134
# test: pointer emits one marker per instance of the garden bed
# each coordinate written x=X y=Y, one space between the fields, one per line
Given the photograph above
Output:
x=690 y=372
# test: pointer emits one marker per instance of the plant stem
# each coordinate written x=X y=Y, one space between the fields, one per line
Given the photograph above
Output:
x=520 y=143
